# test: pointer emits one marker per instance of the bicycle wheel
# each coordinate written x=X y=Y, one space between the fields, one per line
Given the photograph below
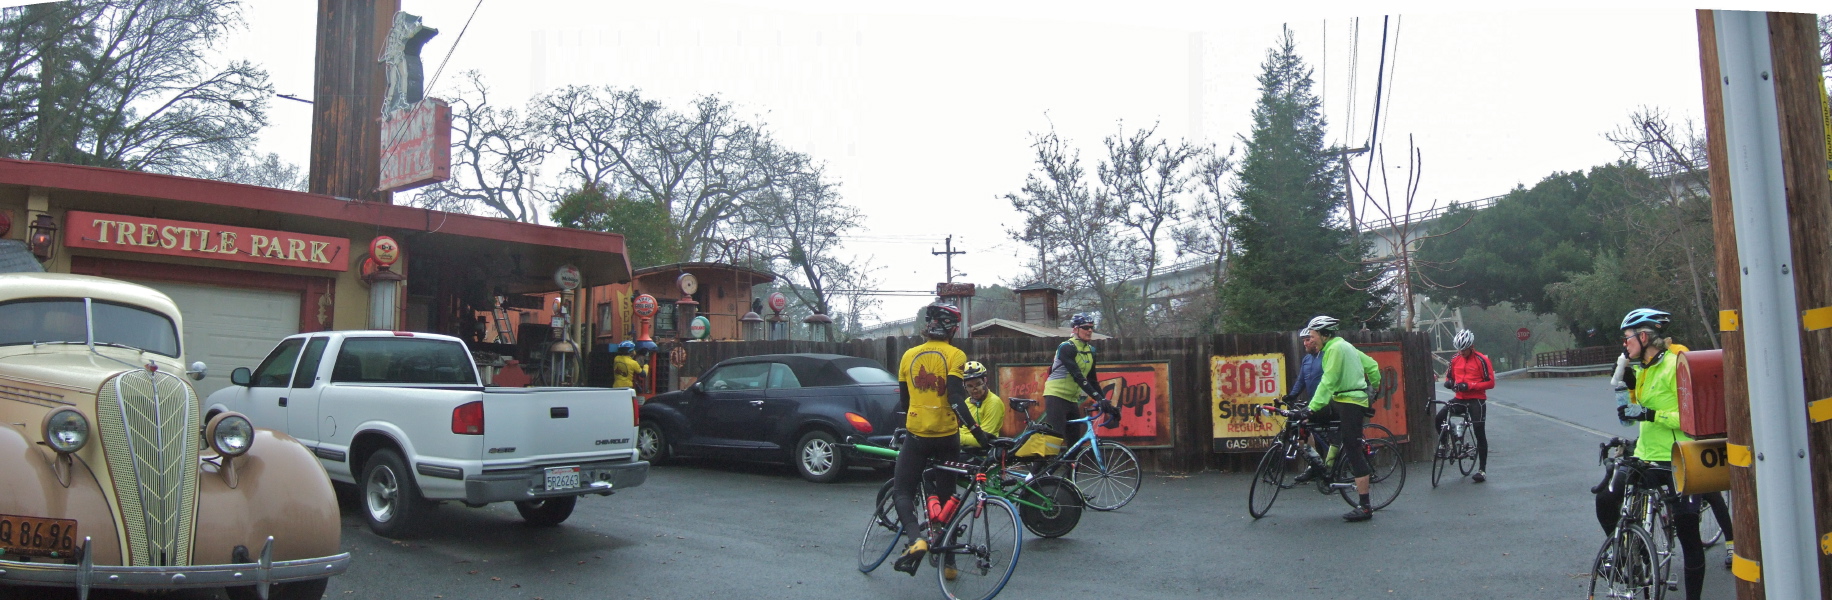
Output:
x=1058 y=506
x=1466 y=458
x=881 y=532
x=1624 y=567
x=1268 y=479
x=1709 y=530
x=980 y=550
x=1111 y=485
x=1441 y=457
x=1376 y=431
x=1385 y=480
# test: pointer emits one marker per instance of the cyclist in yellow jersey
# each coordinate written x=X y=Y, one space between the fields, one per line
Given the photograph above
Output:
x=933 y=397
x=1653 y=357
x=624 y=368
x=988 y=408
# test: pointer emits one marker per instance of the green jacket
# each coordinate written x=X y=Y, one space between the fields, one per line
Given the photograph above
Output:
x=1657 y=389
x=1348 y=374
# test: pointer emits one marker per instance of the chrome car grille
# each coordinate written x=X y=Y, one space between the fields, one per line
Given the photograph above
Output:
x=149 y=430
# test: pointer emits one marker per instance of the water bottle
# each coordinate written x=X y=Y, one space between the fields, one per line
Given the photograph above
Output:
x=1622 y=400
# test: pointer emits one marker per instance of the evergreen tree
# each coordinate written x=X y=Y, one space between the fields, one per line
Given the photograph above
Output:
x=1295 y=255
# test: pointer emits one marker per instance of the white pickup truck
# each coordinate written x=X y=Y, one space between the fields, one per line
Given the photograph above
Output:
x=403 y=416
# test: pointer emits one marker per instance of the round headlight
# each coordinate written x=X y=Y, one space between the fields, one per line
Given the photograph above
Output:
x=66 y=430
x=230 y=434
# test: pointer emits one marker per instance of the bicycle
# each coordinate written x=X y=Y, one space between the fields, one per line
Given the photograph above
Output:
x=1289 y=455
x=1635 y=562
x=1048 y=505
x=1456 y=441
x=1105 y=471
x=978 y=549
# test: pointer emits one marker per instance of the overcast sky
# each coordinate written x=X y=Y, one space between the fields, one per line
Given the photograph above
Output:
x=923 y=113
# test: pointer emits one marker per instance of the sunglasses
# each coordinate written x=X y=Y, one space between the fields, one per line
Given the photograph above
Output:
x=1086 y=328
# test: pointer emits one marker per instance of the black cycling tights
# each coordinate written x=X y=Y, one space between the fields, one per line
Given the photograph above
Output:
x=1478 y=417
x=912 y=459
x=1685 y=519
x=1056 y=414
x=1350 y=418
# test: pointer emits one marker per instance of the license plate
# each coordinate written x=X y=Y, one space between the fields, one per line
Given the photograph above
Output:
x=560 y=478
x=34 y=536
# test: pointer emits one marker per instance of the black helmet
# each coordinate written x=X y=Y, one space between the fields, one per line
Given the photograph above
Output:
x=940 y=320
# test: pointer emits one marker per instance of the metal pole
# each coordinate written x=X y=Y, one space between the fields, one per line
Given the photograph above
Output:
x=1777 y=389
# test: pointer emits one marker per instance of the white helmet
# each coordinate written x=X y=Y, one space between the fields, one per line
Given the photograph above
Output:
x=1322 y=323
x=1464 y=339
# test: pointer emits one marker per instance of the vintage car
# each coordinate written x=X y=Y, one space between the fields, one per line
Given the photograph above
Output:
x=110 y=477
x=776 y=407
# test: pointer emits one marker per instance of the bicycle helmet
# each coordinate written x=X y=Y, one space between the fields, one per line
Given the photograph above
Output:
x=1464 y=339
x=973 y=370
x=626 y=347
x=1080 y=320
x=1655 y=319
x=1323 y=323
x=940 y=320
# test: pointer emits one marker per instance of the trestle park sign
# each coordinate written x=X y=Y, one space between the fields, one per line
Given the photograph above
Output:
x=165 y=237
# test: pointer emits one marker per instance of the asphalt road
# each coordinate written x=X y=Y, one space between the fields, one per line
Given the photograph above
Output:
x=702 y=530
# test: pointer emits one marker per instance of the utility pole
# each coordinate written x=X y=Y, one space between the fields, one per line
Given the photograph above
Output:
x=948 y=255
x=1763 y=103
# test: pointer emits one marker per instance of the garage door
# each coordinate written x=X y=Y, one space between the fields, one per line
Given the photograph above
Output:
x=229 y=327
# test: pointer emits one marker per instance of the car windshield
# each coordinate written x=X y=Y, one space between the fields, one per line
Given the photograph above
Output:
x=403 y=360
x=64 y=320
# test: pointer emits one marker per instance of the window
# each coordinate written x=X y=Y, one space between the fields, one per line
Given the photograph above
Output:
x=403 y=360
x=748 y=376
x=870 y=375
x=308 y=363
x=66 y=320
x=782 y=377
x=277 y=370
x=664 y=321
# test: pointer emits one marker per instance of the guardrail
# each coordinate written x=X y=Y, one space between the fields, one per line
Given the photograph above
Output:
x=1594 y=355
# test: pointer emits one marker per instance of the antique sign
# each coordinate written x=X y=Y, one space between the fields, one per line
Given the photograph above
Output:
x=1389 y=403
x=384 y=251
x=166 y=237
x=1141 y=389
x=1237 y=384
x=416 y=146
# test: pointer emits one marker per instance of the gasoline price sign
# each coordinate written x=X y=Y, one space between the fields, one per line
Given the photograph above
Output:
x=1237 y=385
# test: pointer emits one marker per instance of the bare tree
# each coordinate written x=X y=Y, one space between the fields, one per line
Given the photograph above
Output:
x=496 y=159
x=126 y=84
x=1393 y=223
x=797 y=223
x=1675 y=220
x=1083 y=231
x=703 y=164
x=1147 y=177
x=267 y=171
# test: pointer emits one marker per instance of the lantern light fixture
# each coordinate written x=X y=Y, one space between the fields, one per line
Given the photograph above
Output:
x=42 y=233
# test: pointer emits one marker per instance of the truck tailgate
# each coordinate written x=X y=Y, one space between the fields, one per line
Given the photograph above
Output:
x=529 y=427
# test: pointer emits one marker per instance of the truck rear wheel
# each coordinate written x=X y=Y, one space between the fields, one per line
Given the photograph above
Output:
x=546 y=512
x=390 y=499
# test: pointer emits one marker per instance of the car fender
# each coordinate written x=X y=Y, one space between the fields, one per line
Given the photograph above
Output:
x=674 y=424
x=813 y=415
x=387 y=430
x=280 y=491
x=32 y=489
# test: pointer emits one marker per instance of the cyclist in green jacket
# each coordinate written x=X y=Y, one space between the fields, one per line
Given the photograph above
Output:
x=1656 y=395
x=1342 y=396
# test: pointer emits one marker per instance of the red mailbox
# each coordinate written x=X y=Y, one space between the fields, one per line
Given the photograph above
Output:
x=1701 y=393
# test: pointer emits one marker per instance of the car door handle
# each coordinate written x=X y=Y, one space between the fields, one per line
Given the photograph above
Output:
x=757 y=403
x=282 y=402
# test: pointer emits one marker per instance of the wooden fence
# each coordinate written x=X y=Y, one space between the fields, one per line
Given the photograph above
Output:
x=1191 y=400
x=1576 y=357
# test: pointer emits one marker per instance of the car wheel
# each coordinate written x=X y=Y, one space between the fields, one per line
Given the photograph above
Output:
x=818 y=457
x=390 y=500
x=651 y=444
x=298 y=590
x=546 y=512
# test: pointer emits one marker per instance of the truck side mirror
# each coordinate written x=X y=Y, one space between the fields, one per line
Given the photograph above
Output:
x=240 y=376
x=697 y=388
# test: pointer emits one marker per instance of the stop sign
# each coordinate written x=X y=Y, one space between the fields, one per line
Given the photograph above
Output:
x=1522 y=334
